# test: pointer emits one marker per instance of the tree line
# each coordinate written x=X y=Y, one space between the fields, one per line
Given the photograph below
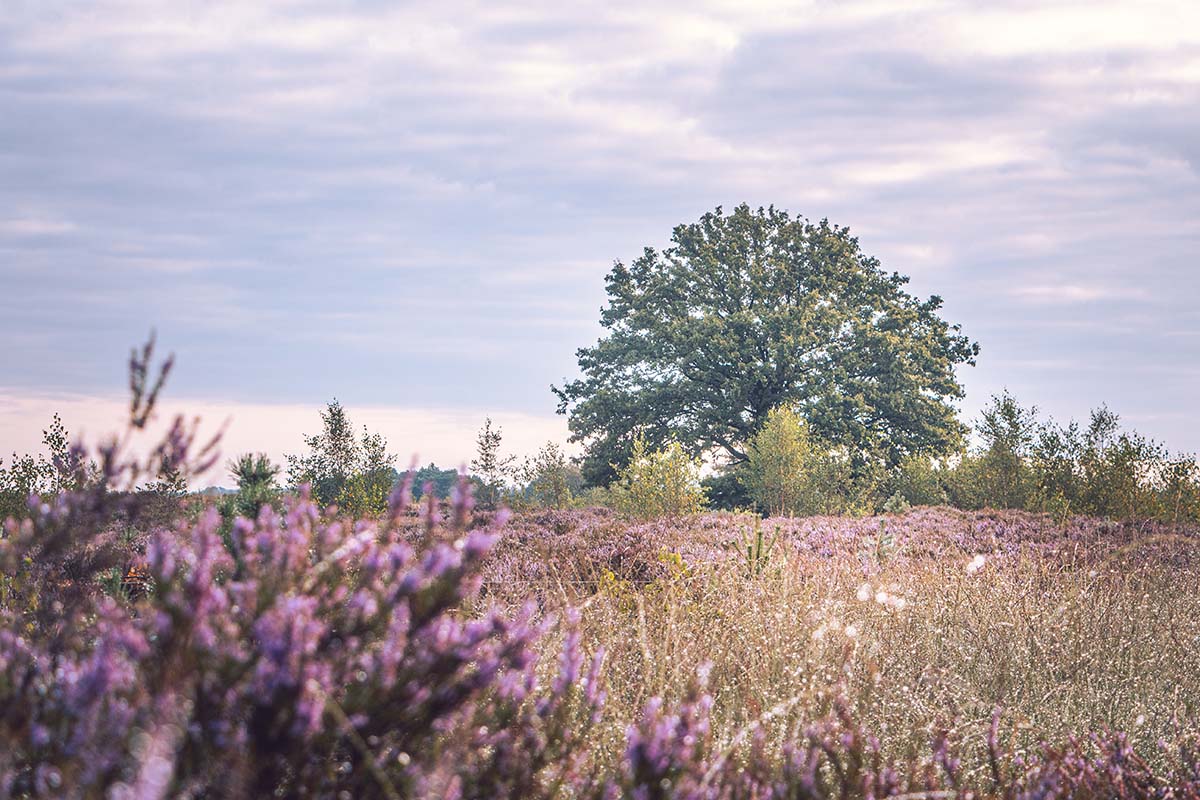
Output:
x=761 y=361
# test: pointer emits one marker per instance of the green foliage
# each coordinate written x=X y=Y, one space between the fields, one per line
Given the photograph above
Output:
x=660 y=483
x=354 y=473
x=256 y=479
x=56 y=470
x=1180 y=494
x=366 y=491
x=171 y=482
x=254 y=473
x=839 y=485
x=756 y=549
x=1020 y=462
x=550 y=479
x=780 y=457
x=489 y=466
x=896 y=504
x=920 y=481
x=440 y=482
x=726 y=491
x=1097 y=470
x=1002 y=471
x=881 y=546
x=752 y=310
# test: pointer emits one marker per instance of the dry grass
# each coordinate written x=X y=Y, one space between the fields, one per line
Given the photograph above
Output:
x=914 y=643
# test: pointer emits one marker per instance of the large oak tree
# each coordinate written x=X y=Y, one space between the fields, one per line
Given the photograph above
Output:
x=755 y=309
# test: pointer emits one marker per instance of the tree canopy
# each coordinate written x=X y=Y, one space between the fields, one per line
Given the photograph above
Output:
x=752 y=310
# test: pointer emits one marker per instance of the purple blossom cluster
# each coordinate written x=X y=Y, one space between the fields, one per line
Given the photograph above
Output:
x=304 y=655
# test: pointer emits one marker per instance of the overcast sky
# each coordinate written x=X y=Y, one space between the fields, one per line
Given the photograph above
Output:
x=413 y=206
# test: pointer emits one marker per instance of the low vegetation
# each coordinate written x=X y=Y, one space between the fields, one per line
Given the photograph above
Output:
x=445 y=651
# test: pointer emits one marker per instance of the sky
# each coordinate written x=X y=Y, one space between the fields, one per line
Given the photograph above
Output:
x=412 y=206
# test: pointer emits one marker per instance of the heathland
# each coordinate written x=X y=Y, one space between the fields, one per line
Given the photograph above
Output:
x=783 y=567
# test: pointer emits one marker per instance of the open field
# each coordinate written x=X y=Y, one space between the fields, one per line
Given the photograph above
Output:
x=444 y=652
x=923 y=622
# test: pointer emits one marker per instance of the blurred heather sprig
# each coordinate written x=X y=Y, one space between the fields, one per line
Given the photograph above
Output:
x=337 y=659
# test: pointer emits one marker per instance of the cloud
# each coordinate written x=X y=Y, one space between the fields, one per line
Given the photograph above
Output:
x=20 y=227
x=1078 y=294
x=416 y=205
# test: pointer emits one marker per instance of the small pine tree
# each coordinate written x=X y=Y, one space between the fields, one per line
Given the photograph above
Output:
x=171 y=481
x=489 y=466
x=255 y=475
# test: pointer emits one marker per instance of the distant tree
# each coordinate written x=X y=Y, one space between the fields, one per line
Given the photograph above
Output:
x=1099 y=470
x=366 y=490
x=59 y=468
x=1180 y=478
x=752 y=310
x=440 y=481
x=489 y=466
x=354 y=473
x=779 y=458
x=920 y=480
x=548 y=477
x=727 y=491
x=332 y=456
x=24 y=476
x=1118 y=469
x=171 y=481
x=1003 y=471
x=67 y=468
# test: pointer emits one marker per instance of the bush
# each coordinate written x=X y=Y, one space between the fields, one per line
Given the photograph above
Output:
x=920 y=482
x=60 y=468
x=356 y=474
x=1098 y=470
x=663 y=483
x=726 y=491
x=780 y=456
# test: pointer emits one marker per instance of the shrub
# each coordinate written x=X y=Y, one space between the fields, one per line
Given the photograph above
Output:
x=663 y=483
x=780 y=457
x=919 y=481
x=1002 y=472
x=58 y=469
